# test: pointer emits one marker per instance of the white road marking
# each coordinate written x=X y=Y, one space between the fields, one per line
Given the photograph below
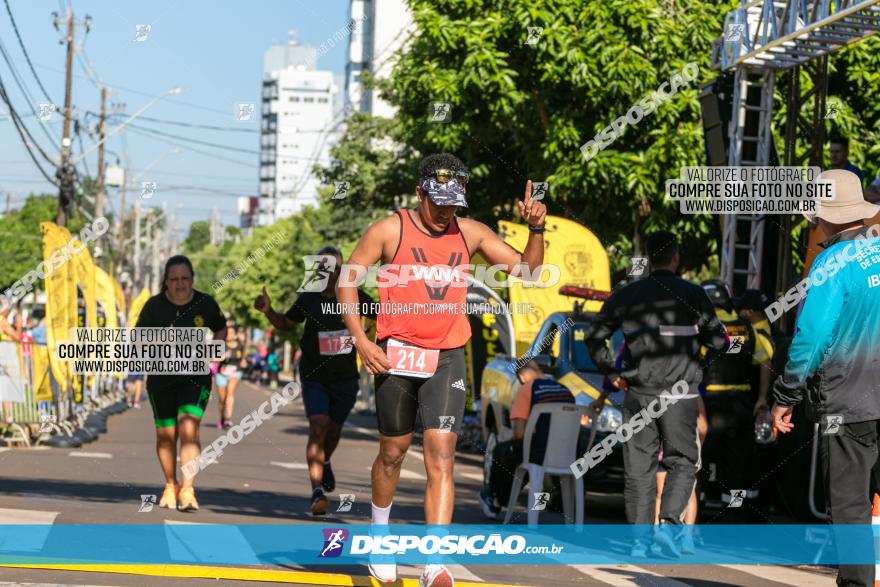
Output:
x=295 y=466
x=91 y=455
x=32 y=541
x=627 y=576
x=471 y=475
x=206 y=550
x=786 y=575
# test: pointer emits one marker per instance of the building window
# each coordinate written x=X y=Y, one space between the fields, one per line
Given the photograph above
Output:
x=308 y=99
x=322 y=100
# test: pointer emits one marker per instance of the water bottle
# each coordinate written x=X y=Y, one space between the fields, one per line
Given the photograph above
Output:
x=764 y=433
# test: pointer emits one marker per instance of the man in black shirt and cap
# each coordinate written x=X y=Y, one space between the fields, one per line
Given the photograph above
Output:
x=328 y=368
x=664 y=320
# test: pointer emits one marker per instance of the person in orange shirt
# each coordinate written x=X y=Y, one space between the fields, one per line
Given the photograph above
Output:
x=419 y=354
x=534 y=389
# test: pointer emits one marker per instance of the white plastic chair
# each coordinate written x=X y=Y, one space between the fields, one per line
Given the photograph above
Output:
x=562 y=442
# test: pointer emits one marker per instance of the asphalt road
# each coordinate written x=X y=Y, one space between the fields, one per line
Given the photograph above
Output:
x=262 y=480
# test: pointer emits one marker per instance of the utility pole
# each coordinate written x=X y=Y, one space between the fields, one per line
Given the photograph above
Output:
x=137 y=244
x=65 y=173
x=99 y=183
x=8 y=201
x=156 y=239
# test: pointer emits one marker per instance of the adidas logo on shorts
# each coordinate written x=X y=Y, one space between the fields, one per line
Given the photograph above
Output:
x=459 y=384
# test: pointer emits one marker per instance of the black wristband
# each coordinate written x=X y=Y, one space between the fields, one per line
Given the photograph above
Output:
x=536 y=229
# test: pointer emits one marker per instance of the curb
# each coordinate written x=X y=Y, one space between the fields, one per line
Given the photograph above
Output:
x=236 y=573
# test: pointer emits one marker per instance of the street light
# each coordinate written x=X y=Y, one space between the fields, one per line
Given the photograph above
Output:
x=174 y=151
x=171 y=92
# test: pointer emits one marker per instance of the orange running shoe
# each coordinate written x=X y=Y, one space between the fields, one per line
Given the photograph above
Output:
x=169 y=496
x=187 y=500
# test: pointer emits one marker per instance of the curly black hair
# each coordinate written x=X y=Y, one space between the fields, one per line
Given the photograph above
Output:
x=432 y=163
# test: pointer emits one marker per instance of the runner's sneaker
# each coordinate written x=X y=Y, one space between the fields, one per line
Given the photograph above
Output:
x=383 y=572
x=137 y=406
x=329 y=479
x=664 y=541
x=687 y=540
x=319 y=502
x=169 y=496
x=186 y=500
x=220 y=425
x=436 y=576
x=227 y=424
x=490 y=509
x=638 y=550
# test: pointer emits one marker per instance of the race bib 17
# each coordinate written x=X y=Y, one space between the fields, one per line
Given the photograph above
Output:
x=335 y=342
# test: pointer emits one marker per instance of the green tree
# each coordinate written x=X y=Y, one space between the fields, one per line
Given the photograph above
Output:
x=21 y=242
x=198 y=237
x=522 y=111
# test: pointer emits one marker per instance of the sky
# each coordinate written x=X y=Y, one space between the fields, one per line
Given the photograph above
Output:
x=211 y=49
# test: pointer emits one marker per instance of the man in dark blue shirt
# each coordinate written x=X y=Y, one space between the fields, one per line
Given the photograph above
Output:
x=838 y=154
x=534 y=389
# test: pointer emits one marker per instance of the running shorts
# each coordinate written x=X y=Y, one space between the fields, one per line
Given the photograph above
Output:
x=438 y=400
x=222 y=380
x=334 y=400
x=171 y=402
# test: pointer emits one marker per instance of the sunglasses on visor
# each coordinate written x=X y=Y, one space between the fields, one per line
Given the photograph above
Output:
x=446 y=175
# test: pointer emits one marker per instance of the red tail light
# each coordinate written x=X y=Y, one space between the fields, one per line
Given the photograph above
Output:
x=584 y=292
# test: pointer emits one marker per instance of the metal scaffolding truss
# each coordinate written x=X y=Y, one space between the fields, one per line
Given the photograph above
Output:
x=781 y=35
x=760 y=38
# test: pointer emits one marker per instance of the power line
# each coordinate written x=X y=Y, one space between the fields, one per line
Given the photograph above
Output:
x=25 y=142
x=190 y=148
x=27 y=96
x=204 y=126
x=196 y=141
x=26 y=56
x=22 y=131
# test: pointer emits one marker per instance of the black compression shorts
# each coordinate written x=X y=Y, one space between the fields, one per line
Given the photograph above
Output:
x=171 y=402
x=439 y=400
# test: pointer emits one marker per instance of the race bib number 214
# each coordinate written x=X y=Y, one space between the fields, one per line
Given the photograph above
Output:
x=411 y=361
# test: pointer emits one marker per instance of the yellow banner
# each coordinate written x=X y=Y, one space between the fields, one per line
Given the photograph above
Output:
x=136 y=306
x=60 y=296
x=85 y=279
x=581 y=259
x=106 y=295
x=42 y=387
x=120 y=300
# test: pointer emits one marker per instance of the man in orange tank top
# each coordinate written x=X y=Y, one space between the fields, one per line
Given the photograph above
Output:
x=418 y=356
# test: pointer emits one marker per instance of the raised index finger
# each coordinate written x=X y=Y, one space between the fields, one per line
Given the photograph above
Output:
x=528 y=199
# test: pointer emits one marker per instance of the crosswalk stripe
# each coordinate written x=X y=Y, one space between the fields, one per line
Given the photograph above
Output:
x=461 y=573
x=32 y=541
x=180 y=548
x=295 y=466
x=92 y=455
x=786 y=575
x=627 y=576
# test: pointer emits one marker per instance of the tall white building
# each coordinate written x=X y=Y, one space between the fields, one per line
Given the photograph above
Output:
x=300 y=122
x=382 y=26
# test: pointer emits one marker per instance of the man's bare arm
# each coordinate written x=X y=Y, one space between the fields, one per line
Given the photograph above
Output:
x=497 y=252
x=264 y=304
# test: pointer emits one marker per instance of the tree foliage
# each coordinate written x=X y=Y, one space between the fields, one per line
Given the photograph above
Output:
x=21 y=242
